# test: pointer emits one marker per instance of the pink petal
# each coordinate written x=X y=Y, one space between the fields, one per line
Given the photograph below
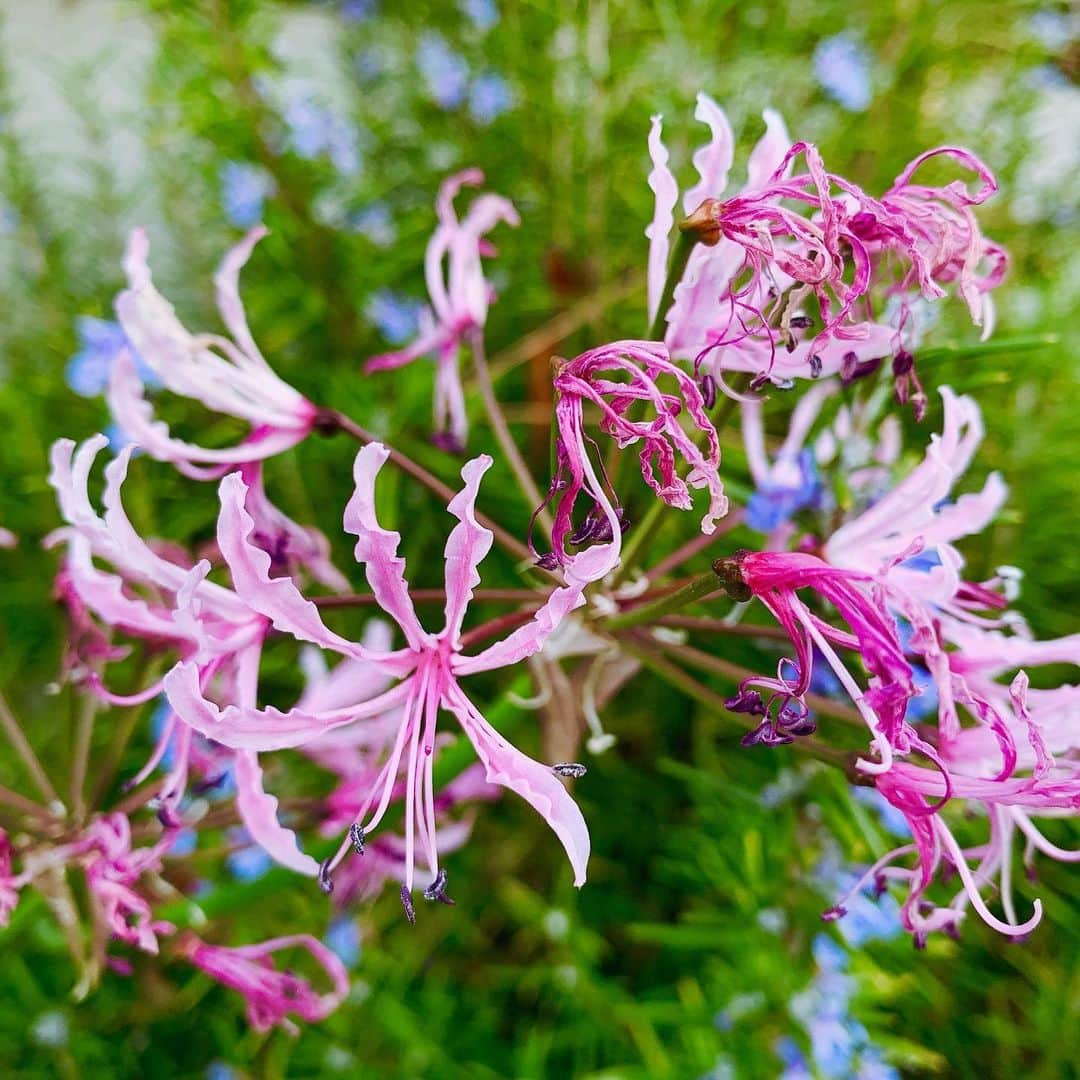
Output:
x=248 y=728
x=658 y=232
x=535 y=783
x=713 y=160
x=258 y=812
x=227 y=284
x=377 y=548
x=468 y=544
x=769 y=152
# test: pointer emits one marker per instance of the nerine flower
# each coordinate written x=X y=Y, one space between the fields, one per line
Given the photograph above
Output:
x=791 y=236
x=460 y=296
x=623 y=381
x=271 y=995
x=226 y=374
x=169 y=606
x=428 y=671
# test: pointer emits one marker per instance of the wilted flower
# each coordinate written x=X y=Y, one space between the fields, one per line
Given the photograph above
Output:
x=271 y=995
x=619 y=379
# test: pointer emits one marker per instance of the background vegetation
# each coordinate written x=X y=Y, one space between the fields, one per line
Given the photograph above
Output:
x=696 y=948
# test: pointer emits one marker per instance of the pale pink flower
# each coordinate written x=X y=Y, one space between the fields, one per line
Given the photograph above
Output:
x=8 y=539
x=619 y=379
x=460 y=298
x=271 y=995
x=226 y=374
x=428 y=670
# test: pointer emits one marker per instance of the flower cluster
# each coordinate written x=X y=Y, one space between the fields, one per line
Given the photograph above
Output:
x=799 y=275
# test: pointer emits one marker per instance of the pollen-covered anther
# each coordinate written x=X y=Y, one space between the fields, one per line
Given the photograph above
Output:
x=407 y=904
x=571 y=770
x=326 y=882
x=437 y=889
x=356 y=835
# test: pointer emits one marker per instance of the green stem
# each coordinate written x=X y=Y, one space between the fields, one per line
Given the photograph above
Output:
x=697 y=589
x=686 y=242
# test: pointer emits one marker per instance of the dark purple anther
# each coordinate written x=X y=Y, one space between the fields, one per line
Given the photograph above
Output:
x=833 y=913
x=356 y=835
x=548 y=561
x=168 y=818
x=586 y=530
x=448 y=442
x=437 y=889
x=746 y=701
x=406 y=903
x=815 y=366
x=570 y=769
x=800 y=322
x=902 y=363
x=752 y=738
x=708 y=391
x=326 y=882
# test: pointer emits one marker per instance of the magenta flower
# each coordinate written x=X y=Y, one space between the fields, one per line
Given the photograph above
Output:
x=428 y=670
x=459 y=298
x=227 y=375
x=791 y=235
x=271 y=995
x=9 y=885
x=618 y=379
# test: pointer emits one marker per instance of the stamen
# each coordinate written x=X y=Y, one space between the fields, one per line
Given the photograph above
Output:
x=437 y=889
x=407 y=904
x=326 y=882
x=572 y=770
x=356 y=835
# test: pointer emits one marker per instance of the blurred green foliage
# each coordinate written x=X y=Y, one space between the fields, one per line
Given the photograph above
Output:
x=526 y=977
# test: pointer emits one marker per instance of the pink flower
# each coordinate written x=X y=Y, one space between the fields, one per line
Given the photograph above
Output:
x=459 y=298
x=428 y=670
x=791 y=235
x=271 y=995
x=227 y=375
x=175 y=607
x=8 y=539
x=618 y=379
x=9 y=886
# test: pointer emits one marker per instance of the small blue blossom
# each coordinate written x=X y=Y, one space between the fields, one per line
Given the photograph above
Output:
x=244 y=191
x=892 y=820
x=358 y=10
x=315 y=131
x=924 y=705
x=1052 y=28
x=489 y=97
x=828 y=955
x=184 y=843
x=218 y=1070
x=248 y=862
x=376 y=223
x=343 y=939
x=842 y=68
x=157 y=728
x=101 y=341
x=483 y=14
x=397 y=317
x=445 y=72
x=770 y=506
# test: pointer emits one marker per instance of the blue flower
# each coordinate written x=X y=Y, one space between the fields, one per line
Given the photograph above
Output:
x=358 y=10
x=376 y=223
x=244 y=190
x=771 y=505
x=445 y=71
x=925 y=705
x=315 y=131
x=157 y=727
x=396 y=316
x=483 y=14
x=828 y=955
x=489 y=97
x=184 y=843
x=343 y=939
x=842 y=68
x=892 y=820
x=247 y=863
x=101 y=341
